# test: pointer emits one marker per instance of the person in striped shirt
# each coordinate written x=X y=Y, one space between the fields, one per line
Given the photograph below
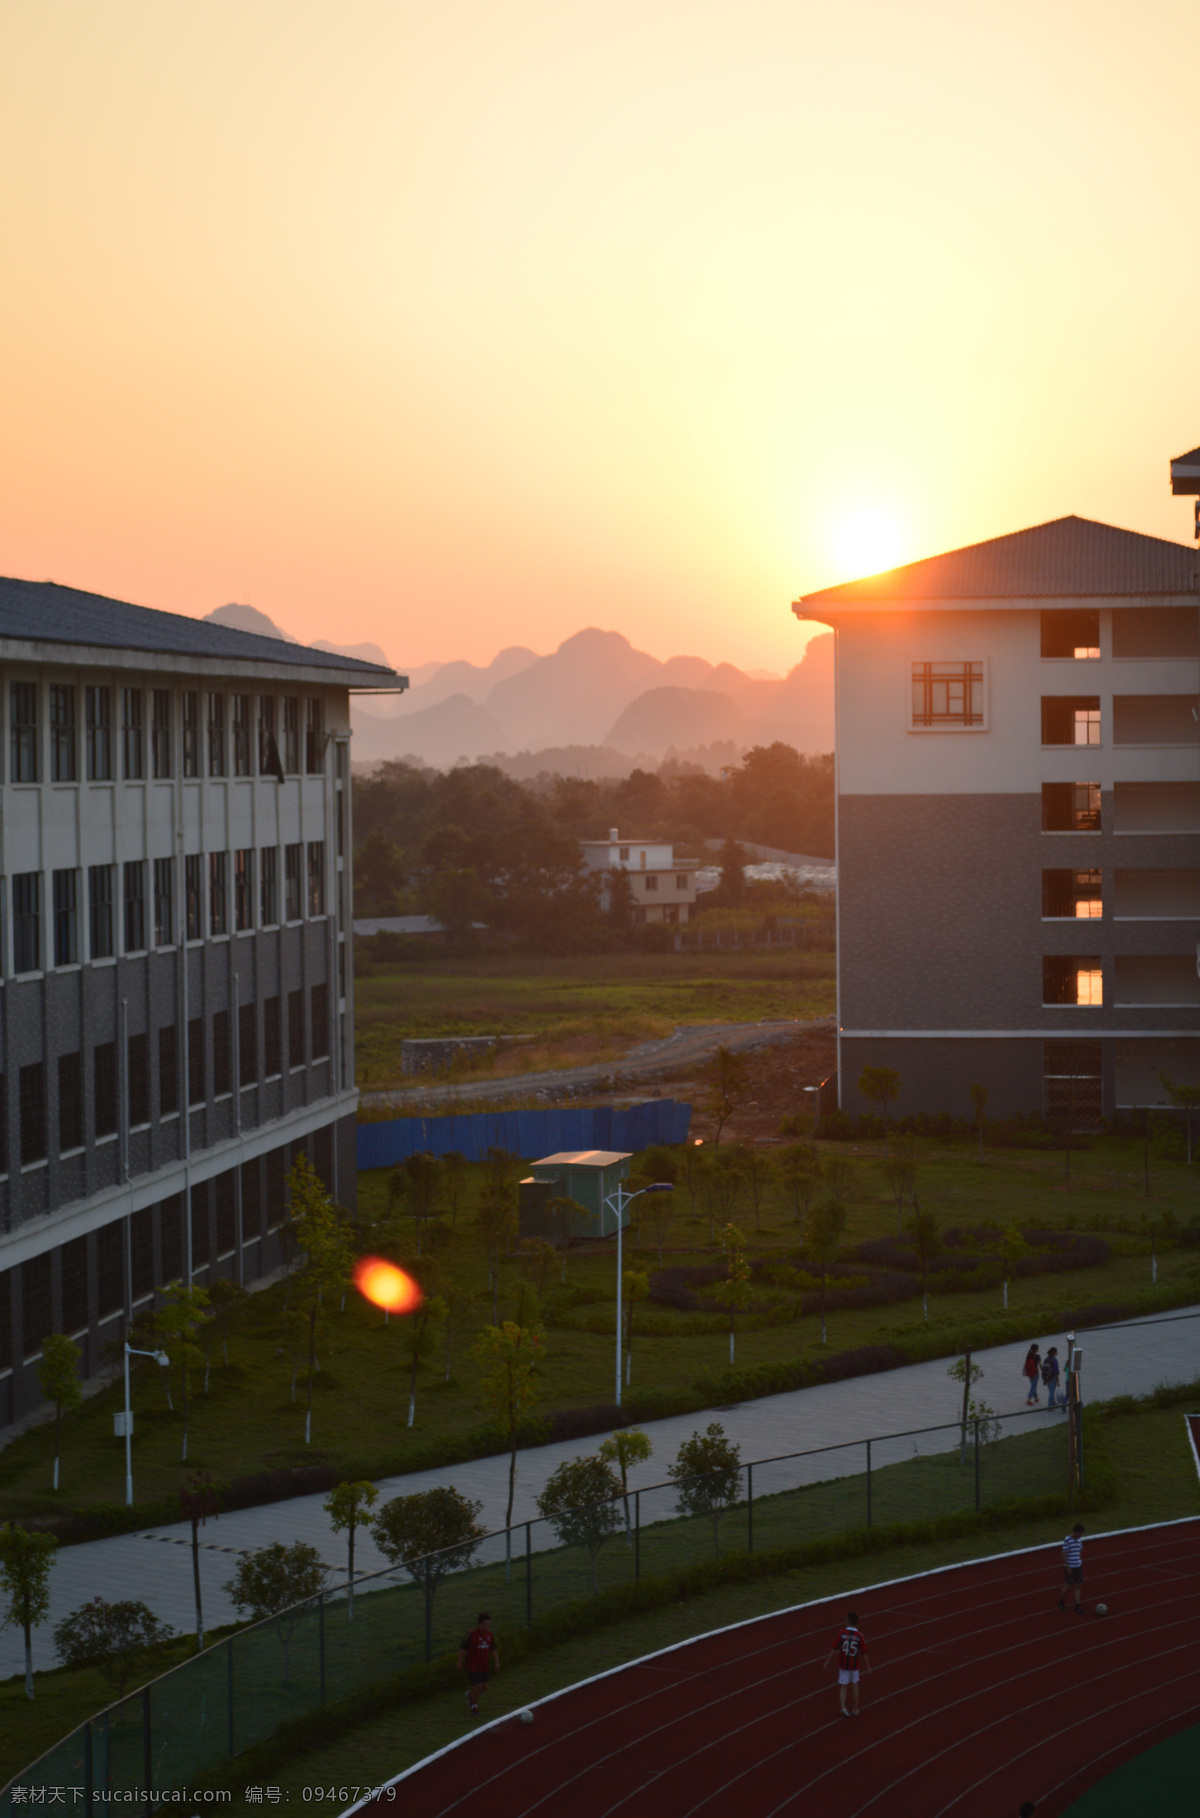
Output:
x=477 y=1657
x=850 y=1652
x=1072 y=1566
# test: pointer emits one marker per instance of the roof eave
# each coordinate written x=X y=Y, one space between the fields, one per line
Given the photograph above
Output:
x=126 y=656
x=825 y=610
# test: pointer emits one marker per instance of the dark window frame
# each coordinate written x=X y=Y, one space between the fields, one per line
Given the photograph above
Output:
x=293 y=882
x=31 y=1100
x=64 y=758
x=133 y=895
x=190 y=721
x=160 y=734
x=316 y=878
x=70 y=1102
x=268 y=887
x=243 y=889
x=23 y=732
x=27 y=922
x=64 y=887
x=240 y=726
x=133 y=749
x=105 y=1098
x=164 y=902
x=98 y=734
x=218 y=894
x=168 y=1070
x=101 y=912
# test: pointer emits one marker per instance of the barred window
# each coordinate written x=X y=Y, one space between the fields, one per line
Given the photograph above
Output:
x=132 y=755
x=62 y=734
x=193 y=887
x=161 y=733
x=216 y=735
x=197 y=1088
x=293 y=858
x=101 y=934
x=222 y=1060
x=137 y=1061
x=268 y=873
x=316 y=877
x=247 y=1044
x=98 y=717
x=70 y=1101
x=164 y=906
x=314 y=737
x=291 y=735
x=191 y=732
x=27 y=921
x=297 y=1046
x=168 y=1070
x=268 y=750
x=947 y=694
x=1073 y=1083
x=272 y=1037
x=32 y=1090
x=65 y=885
x=135 y=906
x=320 y=1022
x=218 y=893
x=23 y=729
x=241 y=734
x=104 y=1087
x=243 y=889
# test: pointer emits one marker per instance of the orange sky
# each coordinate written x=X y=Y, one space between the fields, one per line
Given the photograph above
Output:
x=458 y=325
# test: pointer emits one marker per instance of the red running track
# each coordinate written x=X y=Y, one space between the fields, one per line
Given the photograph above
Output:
x=983 y=1695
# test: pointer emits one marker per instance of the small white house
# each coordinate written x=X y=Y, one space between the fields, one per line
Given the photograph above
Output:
x=664 y=887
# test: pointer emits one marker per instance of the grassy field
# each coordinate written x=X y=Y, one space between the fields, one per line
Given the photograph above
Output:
x=585 y=1008
x=249 y=1421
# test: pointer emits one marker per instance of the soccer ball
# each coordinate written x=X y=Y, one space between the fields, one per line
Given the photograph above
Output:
x=526 y=1716
x=1102 y=1609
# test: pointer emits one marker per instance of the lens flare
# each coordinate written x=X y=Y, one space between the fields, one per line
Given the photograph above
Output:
x=385 y=1285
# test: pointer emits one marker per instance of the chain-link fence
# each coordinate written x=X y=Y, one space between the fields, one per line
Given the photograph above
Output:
x=165 y=1737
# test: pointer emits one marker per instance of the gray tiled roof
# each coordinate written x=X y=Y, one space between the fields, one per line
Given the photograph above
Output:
x=44 y=611
x=1190 y=459
x=1068 y=558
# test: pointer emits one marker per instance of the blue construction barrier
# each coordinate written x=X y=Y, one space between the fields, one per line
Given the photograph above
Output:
x=529 y=1134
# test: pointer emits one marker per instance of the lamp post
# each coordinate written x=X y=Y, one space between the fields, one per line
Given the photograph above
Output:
x=124 y=1422
x=618 y=1202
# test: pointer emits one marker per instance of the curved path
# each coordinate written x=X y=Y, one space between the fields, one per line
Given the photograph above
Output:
x=983 y=1695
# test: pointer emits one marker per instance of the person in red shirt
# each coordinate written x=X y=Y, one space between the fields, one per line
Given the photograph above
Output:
x=850 y=1651
x=477 y=1657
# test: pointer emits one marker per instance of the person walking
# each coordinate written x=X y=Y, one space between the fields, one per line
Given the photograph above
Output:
x=1072 y=1547
x=1032 y=1369
x=478 y=1659
x=848 y=1650
x=1050 y=1376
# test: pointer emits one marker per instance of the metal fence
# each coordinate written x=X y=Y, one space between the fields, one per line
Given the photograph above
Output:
x=165 y=1737
x=524 y=1133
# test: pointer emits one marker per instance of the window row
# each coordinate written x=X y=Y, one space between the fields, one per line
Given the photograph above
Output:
x=1162 y=981
x=210 y=1053
x=132 y=907
x=131 y=733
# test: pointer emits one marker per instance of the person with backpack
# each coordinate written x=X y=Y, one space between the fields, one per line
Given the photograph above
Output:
x=1032 y=1370
x=1050 y=1376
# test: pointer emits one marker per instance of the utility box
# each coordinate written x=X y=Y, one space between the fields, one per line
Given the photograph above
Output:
x=586 y=1175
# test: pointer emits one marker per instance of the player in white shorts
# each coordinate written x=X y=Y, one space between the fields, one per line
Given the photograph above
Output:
x=850 y=1651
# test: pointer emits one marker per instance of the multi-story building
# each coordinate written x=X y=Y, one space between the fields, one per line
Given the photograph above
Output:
x=175 y=957
x=663 y=887
x=1018 y=822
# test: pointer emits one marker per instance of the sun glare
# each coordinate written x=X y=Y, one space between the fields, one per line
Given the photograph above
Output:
x=867 y=540
x=386 y=1286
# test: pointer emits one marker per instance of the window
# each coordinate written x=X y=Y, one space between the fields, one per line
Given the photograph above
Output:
x=1073 y=1083
x=132 y=755
x=1071 y=634
x=681 y=880
x=191 y=732
x=35 y=1298
x=1070 y=807
x=291 y=735
x=651 y=881
x=27 y=921
x=63 y=767
x=168 y=1071
x=272 y=1038
x=135 y=906
x=101 y=890
x=1072 y=980
x=1071 y=719
x=1071 y=895
x=624 y=855
x=193 y=888
x=161 y=732
x=297 y=1045
x=201 y=1231
x=97 y=709
x=216 y=734
x=137 y=1061
x=22 y=697
x=947 y=695
x=70 y=1102
x=243 y=889
x=320 y=1022
x=170 y=1237
x=110 y=1269
x=31 y=1084
x=222 y=1060
x=141 y=1254
x=268 y=895
x=314 y=737
x=341 y=821
x=218 y=893
x=247 y=1044
x=74 y=1275
x=276 y=1188
x=196 y=1069
x=268 y=749
x=65 y=885
x=316 y=877
x=251 y=1201
x=104 y=1087
x=292 y=902
x=240 y=706
x=164 y=890
x=226 y=1185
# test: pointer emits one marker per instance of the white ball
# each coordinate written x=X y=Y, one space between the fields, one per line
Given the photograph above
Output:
x=1102 y=1609
x=526 y=1716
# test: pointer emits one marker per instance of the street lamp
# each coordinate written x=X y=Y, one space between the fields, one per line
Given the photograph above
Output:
x=123 y=1423
x=618 y=1202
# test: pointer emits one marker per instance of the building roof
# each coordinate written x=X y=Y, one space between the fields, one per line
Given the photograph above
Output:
x=1069 y=558
x=583 y=1158
x=43 y=612
x=1185 y=472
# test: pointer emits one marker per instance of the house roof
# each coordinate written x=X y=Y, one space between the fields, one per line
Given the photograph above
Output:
x=44 y=612
x=1185 y=472
x=1069 y=558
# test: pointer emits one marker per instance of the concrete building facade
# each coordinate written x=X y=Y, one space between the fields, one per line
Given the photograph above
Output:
x=176 y=1005
x=1018 y=823
x=663 y=888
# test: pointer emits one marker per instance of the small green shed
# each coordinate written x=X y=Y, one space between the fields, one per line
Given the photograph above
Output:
x=587 y=1175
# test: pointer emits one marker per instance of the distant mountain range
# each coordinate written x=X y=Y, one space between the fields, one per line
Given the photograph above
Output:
x=595 y=690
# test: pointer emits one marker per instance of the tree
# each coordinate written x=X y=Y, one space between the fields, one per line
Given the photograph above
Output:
x=707 y=1476
x=458 y=898
x=882 y=1085
x=619 y=894
x=733 y=1289
x=497 y=1220
x=198 y=1499
x=900 y=1172
x=417 y=1184
x=347 y=1505
x=508 y=1356
x=58 y=1378
x=636 y=1286
x=455 y=1175
x=539 y=1260
x=25 y=1561
x=419 y=1339
x=922 y=1229
x=430 y=1533
x=800 y=1171
x=228 y=1300
x=461 y=1301
x=1012 y=1248
x=324 y=1240
x=580 y=1502
x=119 y=1640
x=758 y=1171
x=966 y=1372
x=566 y=1215
x=627 y=1446
x=180 y=1321
x=826 y=1223
x=726 y=1080
x=658 y=1211
x=378 y=877
x=693 y=1168
x=1187 y=1100
x=725 y=1183
x=731 y=887
x=278 y=1581
x=840 y=1175
x=979 y=1099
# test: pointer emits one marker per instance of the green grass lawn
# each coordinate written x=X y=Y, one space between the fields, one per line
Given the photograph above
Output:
x=589 y=1007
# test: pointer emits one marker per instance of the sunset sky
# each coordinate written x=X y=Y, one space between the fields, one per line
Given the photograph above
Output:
x=459 y=325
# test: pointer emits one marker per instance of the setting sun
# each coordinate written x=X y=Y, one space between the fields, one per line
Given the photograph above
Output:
x=866 y=541
x=386 y=1286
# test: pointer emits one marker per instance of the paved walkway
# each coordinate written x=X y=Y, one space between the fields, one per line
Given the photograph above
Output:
x=155 y=1565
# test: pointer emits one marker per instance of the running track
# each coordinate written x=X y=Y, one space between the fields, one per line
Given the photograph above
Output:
x=983 y=1695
